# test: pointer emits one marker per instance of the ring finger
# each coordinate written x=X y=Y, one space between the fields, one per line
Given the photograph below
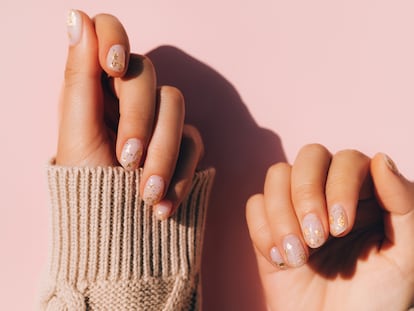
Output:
x=282 y=219
x=309 y=173
x=163 y=149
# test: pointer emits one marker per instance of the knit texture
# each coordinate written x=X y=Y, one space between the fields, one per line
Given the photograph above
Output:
x=108 y=250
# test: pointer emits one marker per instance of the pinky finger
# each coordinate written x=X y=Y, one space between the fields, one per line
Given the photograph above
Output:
x=267 y=255
x=191 y=150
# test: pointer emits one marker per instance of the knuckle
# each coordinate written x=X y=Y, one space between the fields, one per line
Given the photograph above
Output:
x=104 y=16
x=139 y=65
x=254 y=200
x=71 y=73
x=76 y=73
x=192 y=139
x=172 y=94
x=147 y=63
x=350 y=154
x=314 y=148
x=305 y=192
x=277 y=168
x=336 y=181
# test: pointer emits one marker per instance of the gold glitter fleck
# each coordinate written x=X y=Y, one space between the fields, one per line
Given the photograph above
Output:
x=71 y=19
x=341 y=221
x=115 y=63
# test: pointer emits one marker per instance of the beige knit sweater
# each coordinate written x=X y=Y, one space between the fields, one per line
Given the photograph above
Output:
x=110 y=253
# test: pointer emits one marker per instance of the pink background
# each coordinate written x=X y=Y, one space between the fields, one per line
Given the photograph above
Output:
x=261 y=78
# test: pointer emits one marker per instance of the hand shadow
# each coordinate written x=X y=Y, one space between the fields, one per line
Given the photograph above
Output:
x=339 y=257
x=241 y=152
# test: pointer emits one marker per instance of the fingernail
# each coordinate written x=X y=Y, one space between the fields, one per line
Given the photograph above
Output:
x=131 y=154
x=154 y=189
x=391 y=165
x=162 y=209
x=313 y=230
x=74 y=27
x=338 y=221
x=277 y=258
x=295 y=253
x=116 y=58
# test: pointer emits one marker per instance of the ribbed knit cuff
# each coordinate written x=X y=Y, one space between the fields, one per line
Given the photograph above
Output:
x=109 y=252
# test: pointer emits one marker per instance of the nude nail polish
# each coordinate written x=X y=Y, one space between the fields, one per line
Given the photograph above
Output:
x=162 y=209
x=312 y=230
x=116 y=58
x=295 y=253
x=338 y=221
x=131 y=154
x=74 y=27
x=277 y=259
x=154 y=189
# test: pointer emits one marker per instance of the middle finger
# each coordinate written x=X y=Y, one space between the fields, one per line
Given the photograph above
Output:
x=309 y=173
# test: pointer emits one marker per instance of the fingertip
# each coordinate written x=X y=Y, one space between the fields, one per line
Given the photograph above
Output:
x=383 y=167
x=185 y=169
x=191 y=135
x=154 y=189
x=251 y=204
x=383 y=161
x=82 y=56
x=131 y=154
x=74 y=26
x=113 y=42
x=394 y=191
x=163 y=209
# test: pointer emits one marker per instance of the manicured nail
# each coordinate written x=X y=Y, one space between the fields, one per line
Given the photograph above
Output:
x=116 y=58
x=294 y=250
x=154 y=189
x=162 y=209
x=391 y=165
x=74 y=27
x=277 y=258
x=313 y=230
x=131 y=154
x=338 y=221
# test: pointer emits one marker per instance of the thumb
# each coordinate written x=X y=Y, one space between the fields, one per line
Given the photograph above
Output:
x=81 y=104
x=396 y=195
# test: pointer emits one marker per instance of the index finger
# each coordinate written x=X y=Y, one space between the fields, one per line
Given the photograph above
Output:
x=113 y=45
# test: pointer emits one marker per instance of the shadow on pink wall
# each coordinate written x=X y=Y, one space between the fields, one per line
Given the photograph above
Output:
x=241 y=152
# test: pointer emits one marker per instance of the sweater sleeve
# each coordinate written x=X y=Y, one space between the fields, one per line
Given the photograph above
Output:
x=109 y=252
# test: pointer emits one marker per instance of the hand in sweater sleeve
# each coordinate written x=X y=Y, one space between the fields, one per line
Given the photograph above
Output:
x=109 y=252
x=113 y=113
x=109 y=249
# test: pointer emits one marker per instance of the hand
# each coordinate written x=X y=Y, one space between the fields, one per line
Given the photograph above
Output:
x=335 y=233
x=111 y=113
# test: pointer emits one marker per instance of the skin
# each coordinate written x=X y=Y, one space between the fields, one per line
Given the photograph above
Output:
x=100 y=109
x=369 y=266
